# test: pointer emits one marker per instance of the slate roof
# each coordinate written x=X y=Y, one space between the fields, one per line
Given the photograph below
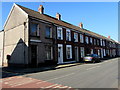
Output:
x=48 y=18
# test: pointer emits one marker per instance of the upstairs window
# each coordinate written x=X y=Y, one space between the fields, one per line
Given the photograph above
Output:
x=86 y=39
x=59 y=33
x=68 y=35
x=81 y=38
x=97 y=42
x=101 y=42
x=34 y=29
x=94 y=41
x=48 y=32
x=91 y=40
x=75 y=37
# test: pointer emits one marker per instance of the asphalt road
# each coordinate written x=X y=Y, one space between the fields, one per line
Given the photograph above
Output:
x=91 y=75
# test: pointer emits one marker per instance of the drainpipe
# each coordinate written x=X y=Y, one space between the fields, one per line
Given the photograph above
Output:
x=3 y=47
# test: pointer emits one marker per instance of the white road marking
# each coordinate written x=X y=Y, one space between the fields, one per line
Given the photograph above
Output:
x=51 y=86
x=41 y=82
x=92 y=68
x=61 y=77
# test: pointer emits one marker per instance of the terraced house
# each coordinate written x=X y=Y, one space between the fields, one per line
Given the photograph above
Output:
x=32 y=38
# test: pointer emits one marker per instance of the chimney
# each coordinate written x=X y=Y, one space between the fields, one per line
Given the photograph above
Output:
x=109 y=37
x=41 y=9
x=58 y=16
x=81 y=25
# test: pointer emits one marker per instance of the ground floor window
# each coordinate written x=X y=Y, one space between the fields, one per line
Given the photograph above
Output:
x=82 y=52
x=49 y=52
x=69 y=51
x=91 y=51
x=104 y=52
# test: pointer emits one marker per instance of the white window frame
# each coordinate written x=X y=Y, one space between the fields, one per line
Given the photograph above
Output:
x=58 y=35
x=68 y=30
x=86 y=39
x=94 y=41
x=69 y=46
x=82 y=51
x=81 y=38
x=98 y=42
x=75 y=37
x=91 y=40
x=101 y=42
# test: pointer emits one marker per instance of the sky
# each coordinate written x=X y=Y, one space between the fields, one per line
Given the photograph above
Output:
x=98 y=17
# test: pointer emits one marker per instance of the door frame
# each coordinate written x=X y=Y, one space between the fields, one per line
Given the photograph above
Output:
x=60 y=61
x=76 y=48
x=36 y=54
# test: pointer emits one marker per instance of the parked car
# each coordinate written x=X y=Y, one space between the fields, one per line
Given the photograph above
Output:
x=91 y=58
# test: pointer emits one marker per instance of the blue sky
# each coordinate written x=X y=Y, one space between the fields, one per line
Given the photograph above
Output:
x=99 y=17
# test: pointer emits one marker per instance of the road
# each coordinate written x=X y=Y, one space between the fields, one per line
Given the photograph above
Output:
x=91 y=75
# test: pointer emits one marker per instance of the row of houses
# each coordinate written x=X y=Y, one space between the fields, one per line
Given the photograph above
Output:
x=31 y=38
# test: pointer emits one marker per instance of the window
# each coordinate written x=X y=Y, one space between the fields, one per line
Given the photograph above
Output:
x=75 y=37
x=94 y=41
x=81 y=38
x=92 y=51
x=101 y=42
x=48 y=32
x=34 y=29
x=68 y=35
x=69 y=51
x=91 y=40
x=82 y=52
x=49 y=51
x=59 y=33
x=86 y=39
x=97 y=42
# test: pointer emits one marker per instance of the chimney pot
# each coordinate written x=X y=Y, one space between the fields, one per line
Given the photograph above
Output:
x=58 y=16
x=41 y=9
x=81 y=25
x=109 y=37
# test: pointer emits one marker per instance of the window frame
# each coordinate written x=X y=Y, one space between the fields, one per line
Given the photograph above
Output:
x=49 y=32
x=75 y=38
x=68 y=30
x=51 y=52
x=87 y=39
x=61 y=36
x=37 y=30
x=81 y=38
x=69 y=46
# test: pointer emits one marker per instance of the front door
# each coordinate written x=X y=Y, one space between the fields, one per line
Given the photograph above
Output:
x=76 y=54
x=60 y=53
x=33 y=55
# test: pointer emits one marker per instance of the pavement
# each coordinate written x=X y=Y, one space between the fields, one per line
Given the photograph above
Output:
x=38 y=69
